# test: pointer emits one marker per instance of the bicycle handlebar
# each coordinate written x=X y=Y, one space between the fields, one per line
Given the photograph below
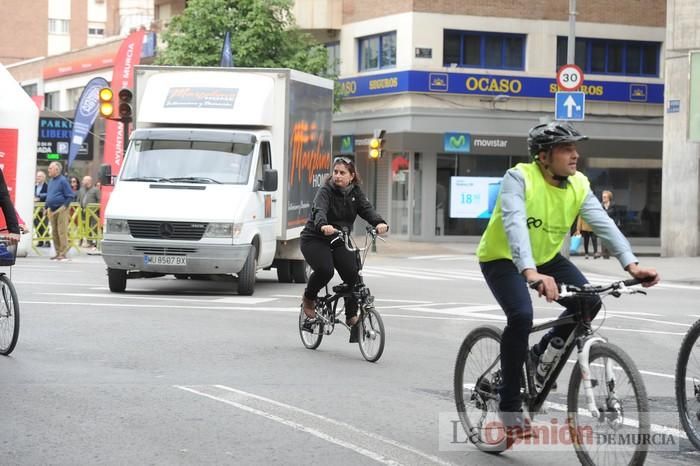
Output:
x=615 y=288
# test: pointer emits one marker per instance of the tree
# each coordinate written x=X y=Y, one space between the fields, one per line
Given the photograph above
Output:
x=263 y=34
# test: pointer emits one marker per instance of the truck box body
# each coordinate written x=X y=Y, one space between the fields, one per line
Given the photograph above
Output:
x=204 y=140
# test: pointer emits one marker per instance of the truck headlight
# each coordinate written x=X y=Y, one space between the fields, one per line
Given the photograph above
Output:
x=223 y=230
x=117 y=226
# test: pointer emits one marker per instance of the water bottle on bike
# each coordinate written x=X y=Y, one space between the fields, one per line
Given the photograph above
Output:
x=549 y=359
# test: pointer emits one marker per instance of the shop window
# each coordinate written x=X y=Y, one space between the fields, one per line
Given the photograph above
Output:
x=51 y=101
x=377 y=52
x=602 y=56
x=484 y=50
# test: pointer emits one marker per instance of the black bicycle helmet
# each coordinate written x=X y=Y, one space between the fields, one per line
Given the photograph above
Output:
x=547 y=135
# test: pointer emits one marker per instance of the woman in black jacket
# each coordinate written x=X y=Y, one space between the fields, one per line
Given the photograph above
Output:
x=336 y=205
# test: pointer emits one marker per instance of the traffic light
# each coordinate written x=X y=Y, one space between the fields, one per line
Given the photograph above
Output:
x=125 y=110
x=376 y=144
x=106 y=102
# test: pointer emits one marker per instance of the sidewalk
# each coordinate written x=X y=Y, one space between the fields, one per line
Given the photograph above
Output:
x=684 y=270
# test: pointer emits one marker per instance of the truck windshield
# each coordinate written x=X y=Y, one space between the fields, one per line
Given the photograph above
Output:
x=188 y=161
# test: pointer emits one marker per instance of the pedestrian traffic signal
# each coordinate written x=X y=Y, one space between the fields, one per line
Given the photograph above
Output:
x=125 y=110
x=106 y=102
x=376 y=145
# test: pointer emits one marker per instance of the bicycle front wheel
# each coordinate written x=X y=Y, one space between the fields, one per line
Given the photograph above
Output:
x=477 y=376
x=688 y=384
x=310 y=331
x=618 y=435
x=9 y=316
x=372 y=336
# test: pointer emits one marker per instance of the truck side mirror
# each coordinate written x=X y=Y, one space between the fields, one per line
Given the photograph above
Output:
x=269 y=180
x=105 y=174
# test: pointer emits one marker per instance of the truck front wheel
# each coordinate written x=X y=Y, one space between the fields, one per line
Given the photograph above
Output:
x=246 y=277
x=117 y=280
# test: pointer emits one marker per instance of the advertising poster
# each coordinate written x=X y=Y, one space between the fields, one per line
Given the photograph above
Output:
x=473 y=196
x=309 y=148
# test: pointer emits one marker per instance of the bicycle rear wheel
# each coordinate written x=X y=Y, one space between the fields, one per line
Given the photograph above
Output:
x=477 y=374
x=372 y=336
x=688 y=384
x=623 y=423
x=311 y=332
x=9 y=316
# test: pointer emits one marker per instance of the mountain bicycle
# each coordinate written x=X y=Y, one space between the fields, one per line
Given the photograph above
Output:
x=9 y=304
x=606 y=395
x=369 y=328
x=688 y=384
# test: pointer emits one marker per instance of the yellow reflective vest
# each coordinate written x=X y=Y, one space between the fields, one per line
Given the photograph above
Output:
x=549 y=210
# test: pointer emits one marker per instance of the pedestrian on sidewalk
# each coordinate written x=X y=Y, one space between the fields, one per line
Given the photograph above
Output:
x=614 y=213
x=586 y=232
x=58 y=198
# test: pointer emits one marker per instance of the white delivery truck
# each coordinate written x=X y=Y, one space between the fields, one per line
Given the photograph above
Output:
x=219 y=176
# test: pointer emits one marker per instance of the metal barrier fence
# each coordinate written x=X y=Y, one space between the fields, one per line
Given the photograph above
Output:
x=84 y=225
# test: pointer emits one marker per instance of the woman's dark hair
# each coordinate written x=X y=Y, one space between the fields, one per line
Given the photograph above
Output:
x=350 y=165
x=77 y=181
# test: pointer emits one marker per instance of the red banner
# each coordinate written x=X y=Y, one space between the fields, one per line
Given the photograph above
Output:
x=8 y=163
x=128 y=56
x=8 y=158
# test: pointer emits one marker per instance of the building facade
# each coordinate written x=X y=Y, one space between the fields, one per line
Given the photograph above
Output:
x=457 y=84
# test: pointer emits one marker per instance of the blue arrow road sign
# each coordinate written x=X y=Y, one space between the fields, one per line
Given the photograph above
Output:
x=570 y=106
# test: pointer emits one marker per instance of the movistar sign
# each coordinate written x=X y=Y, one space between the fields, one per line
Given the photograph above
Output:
x=457 y=142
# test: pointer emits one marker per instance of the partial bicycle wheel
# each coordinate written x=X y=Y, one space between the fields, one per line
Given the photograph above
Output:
x=372 y=336
x=616 y=436
x=688 y=384
x=9 y=316
x=477 y=376
x=310 y=331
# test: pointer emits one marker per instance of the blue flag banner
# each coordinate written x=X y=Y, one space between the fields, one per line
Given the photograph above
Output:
x=85 y=114
x=226 y=54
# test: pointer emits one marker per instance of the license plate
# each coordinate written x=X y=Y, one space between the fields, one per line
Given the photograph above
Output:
x=165 y=260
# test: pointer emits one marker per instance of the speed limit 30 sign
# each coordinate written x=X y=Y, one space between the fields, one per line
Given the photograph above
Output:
x=569 y=77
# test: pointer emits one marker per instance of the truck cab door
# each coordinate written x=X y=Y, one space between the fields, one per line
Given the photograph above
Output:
x=266 y=191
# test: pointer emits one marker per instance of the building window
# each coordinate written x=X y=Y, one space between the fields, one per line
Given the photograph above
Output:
x=59 y=26
x=333 y=51
x=96 y=32
x=30 y=89
x=484 y=50
x=377 y=51
x=51 y=101
x=73 y=96
x=621 y=57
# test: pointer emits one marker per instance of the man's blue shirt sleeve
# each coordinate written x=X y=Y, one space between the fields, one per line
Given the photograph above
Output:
x=515 y=219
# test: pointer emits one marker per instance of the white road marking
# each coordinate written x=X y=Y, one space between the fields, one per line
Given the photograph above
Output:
x=227 y=300
x=657 y=428
x=656 y=321
x=435 y=256
x=383 y=450
x=169 y=306
x=385 y=272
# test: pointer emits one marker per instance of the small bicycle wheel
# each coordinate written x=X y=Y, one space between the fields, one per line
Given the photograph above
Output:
x=9 y=316
x=477 y=376
x=310 y=331
x=688 y=384
x=372 y=336
x=621 y=400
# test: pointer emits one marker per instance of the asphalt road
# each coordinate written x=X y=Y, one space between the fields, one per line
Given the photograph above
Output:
x=187 y=372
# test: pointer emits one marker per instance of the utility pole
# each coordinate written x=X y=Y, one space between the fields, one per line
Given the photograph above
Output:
x=571 y=45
